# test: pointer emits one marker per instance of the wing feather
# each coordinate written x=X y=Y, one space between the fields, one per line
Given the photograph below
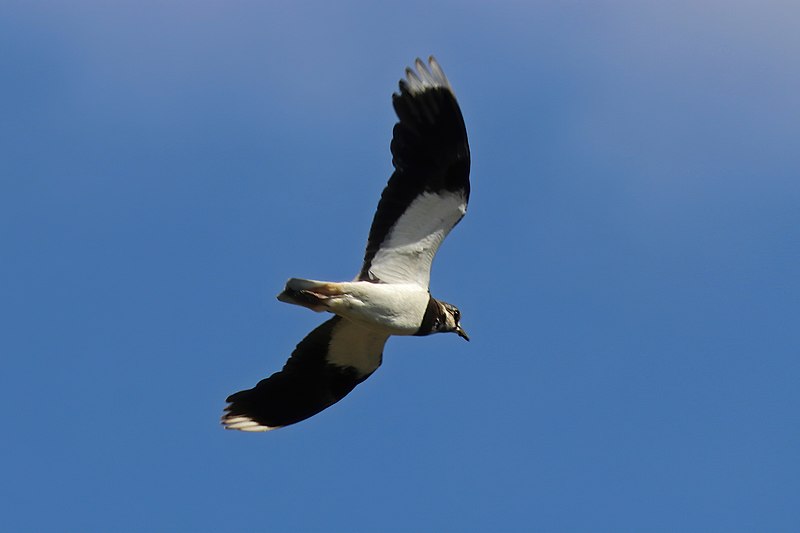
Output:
x=326 y=365
x=428 y=192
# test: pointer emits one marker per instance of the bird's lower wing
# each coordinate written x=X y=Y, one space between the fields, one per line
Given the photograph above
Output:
x=326 y=365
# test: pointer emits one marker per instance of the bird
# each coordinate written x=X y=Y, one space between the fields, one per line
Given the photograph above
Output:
x=425 y=197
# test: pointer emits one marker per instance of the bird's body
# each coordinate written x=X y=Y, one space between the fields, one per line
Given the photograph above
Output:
x=394 y=309
x=425 y=198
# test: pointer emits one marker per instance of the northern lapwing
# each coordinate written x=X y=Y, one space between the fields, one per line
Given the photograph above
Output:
x=425 y=198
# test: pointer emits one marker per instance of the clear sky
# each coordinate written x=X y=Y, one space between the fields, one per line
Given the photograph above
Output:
x=628 y=269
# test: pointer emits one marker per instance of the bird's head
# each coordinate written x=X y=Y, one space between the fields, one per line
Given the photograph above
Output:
x=449 y=321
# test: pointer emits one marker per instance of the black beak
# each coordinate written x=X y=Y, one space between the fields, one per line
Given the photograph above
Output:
x=462 y=333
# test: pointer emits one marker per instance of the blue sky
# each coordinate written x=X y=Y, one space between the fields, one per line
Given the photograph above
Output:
x=628 y=269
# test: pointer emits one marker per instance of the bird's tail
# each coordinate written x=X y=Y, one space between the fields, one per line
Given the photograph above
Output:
x=309 y=293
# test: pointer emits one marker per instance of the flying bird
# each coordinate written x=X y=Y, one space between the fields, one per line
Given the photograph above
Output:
x=424 y=199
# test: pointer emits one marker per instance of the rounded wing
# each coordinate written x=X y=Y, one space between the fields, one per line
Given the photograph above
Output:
x=428 y=192
x=327 y=364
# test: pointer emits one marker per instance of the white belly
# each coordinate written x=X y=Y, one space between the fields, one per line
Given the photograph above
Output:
x=394 y=308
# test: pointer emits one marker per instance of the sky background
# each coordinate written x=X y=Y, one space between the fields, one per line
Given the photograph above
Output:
x=628 y=269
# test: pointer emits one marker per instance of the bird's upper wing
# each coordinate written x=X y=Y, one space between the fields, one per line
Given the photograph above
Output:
x=428 y=192
x=323 y=369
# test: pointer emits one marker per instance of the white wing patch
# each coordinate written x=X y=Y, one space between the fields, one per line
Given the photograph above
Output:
x=423 y=78
x=355 y=346
x=243 y=423
x=406 y=254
